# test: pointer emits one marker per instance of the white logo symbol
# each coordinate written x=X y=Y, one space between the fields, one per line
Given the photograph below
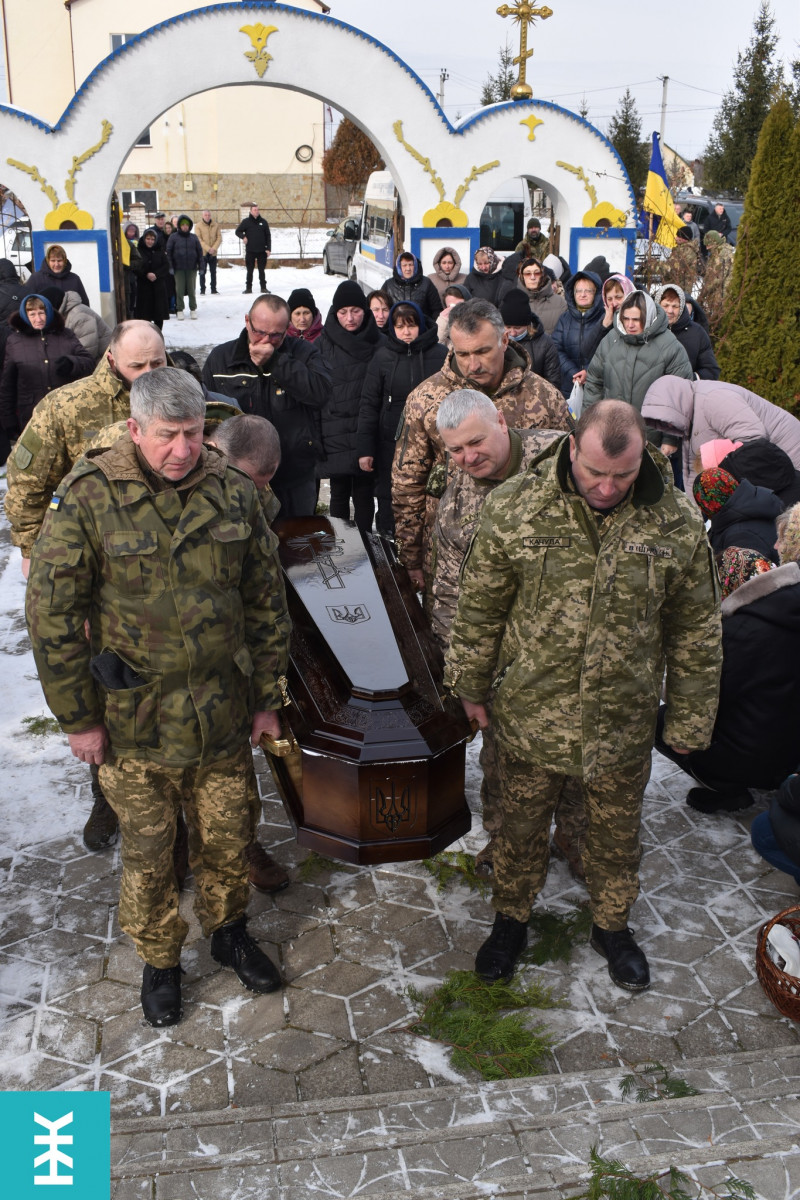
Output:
x=53 y=1156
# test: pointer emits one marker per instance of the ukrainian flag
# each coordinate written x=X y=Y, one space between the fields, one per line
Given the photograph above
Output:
x=658 y=200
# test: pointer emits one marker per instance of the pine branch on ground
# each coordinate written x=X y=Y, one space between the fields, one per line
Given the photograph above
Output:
x=314 y=864
x=456 y=866
x=652 y=1081
x=611 y=1180
x=466 y=1014
x=41 y=726
x=557 y=934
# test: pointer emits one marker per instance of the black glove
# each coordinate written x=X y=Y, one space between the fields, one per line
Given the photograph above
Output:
x=63 y=366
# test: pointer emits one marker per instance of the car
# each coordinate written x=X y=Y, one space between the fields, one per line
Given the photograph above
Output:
x=701 y=206
x=337 y=256
x=16 y=246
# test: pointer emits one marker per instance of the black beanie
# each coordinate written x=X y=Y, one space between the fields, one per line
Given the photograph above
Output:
x=301 y=298
x=349 y=295
x=515 y=309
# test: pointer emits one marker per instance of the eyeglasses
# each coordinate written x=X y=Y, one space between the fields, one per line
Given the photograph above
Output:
x=262 y=333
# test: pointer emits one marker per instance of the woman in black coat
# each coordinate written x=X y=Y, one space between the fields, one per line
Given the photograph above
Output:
x=411 y=353
x=41 y=354
x=56 y=271
x=689 y=332
x=152 y=270
x=409 y=284
x=349 y=341
x=485 y=278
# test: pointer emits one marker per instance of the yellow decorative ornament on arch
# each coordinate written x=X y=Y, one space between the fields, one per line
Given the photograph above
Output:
x=259 y=56
x=445 y=213
x=69 y=216
x=604 y=211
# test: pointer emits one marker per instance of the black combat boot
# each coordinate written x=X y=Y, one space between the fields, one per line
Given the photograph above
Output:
x=102 y=827
x=232 y=946
x=498 y=955
x=705 y=800
x=161 y=995
x=627 y=964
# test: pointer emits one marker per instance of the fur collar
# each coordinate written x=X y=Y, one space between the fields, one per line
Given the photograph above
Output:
x=760 y=586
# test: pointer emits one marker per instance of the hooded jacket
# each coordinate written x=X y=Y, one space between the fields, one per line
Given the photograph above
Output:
x=347 y=357
x=578 y=334
x=765 y=465
x=747 y=520
x=438 y=278
x=152 y=299
x=37 y=361
x=88 y=326
x=626 y=364
x=691 y=335
x=706 y=409
x=418 y=289
x=65 y=281
x=482 y=286
x=184 y=251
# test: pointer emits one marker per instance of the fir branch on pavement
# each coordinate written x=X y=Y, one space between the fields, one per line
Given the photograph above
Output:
x=41 y=726
x=456 y=866
x=652 y=1081
x=611 y=1180
x=557 y=934
x=314 y=864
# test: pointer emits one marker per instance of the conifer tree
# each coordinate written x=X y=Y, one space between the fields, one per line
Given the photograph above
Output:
x=498 y=87
x=760 y=331
x=625 y=135
x=734 y=136
x=350 y=159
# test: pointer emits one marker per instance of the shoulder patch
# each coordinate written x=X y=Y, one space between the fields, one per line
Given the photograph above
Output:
x=26 y=449
x=54 y=503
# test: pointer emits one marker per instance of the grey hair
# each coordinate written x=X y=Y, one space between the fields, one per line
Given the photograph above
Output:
x=249 y=440
x=166 y=394
x=460 y=405
x=470 y=315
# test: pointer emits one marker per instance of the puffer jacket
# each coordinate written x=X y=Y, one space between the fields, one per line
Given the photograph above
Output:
x=29 y=368
x=626 y=364
x=692 y=336
x=88 y=326
x=184 y=251
x=347 y=357
x=65 y=281
x=417 y=290
x=578 y=334
x=438 y=278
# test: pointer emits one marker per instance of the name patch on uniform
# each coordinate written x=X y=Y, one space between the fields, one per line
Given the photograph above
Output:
x=641 y=548
x=532 y=542
x=54 y=503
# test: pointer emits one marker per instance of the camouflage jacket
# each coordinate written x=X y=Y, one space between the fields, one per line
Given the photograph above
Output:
x=185 y=589
x=719 y=269
x=684 y=266
x=421 y=468
x=571 y=620
x=61 y=428
x=456 y=521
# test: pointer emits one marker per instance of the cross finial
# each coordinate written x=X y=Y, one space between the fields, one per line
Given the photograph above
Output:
x=524 y=13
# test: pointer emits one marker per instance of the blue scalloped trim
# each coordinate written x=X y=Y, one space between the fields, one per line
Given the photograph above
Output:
x=24 y=116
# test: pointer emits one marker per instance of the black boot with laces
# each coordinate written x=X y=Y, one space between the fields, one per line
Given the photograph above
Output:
x=498 y=955
x=232 y=946
x=161 y=995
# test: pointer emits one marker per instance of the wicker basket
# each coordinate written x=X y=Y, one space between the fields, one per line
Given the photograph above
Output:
x=782 y=989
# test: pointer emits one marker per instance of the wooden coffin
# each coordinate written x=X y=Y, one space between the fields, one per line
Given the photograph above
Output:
x=379 y=774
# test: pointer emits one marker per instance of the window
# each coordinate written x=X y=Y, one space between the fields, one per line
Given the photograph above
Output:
x=143 y=138
x=119 y=39
x=148 y=199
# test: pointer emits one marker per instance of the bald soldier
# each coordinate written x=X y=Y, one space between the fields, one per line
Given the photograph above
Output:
x=589 y=575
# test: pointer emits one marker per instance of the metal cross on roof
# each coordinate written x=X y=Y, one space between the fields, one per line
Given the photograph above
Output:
x=524 y=13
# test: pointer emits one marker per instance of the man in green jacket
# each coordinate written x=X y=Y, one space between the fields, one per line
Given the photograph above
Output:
x=588 y=576
x=163 y=549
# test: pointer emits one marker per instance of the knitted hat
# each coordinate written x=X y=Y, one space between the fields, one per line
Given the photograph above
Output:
x=713 y=238
x=301 y=298
x=515 y=309
x=712 y=453
x=534 y=223
x=349 y=295
x=736 y=566
x=712 y=489
x=788 y=542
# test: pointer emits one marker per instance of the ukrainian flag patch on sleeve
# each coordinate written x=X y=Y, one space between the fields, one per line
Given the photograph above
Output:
x=54 y=503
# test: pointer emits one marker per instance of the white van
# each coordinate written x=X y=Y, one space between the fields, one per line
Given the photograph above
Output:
x=373 y=261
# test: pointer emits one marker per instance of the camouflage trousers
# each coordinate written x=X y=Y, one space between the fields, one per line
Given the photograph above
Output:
x=218 y=803
x=613 y=805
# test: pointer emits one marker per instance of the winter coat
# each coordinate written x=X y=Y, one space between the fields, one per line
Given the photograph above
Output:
x=578 y=334
x=209 y=235
x=705 y=409
x=483 y=287
x=438 y=278
x=32 y=368
x=184 y=588
x=65 y=281
x=626 y=364
x=290 y=391
x=307 y=335
x=184 y=252
x=747 y=520
x=717 y=223
x=347 y=357
x=570 y=625
x=417 y=290
x=420 y=470
x=692 y=336
x=784 y=817
x=258 y=234
x=395 y=370
x=541 y=351
x=11 y=290
x=152 y=299
x=88 y=326
x=765 y=465
x=684 y=266
x=537 y=245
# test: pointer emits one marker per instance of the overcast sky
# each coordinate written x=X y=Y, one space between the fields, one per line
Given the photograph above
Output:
x=587 y=47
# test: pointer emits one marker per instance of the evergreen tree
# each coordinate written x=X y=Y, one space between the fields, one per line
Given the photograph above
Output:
x=350 y=160
x=498 y=87
x=583 y=108
x=625 y=135
x=734 y=135
x=760 y=330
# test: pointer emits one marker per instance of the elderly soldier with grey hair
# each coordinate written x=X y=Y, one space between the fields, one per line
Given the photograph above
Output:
x=486 y=452
x=588 y=576
x=164 y=550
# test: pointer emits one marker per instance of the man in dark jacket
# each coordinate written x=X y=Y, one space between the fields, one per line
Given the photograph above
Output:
x=717 y=221
x=255 y=233
x=185 y=256
x=409 y=284
x=286 y=381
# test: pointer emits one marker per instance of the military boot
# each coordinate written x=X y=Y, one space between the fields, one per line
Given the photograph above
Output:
x=232 y=946
x=498 y=955
x=161 y=995
x=264 y=873
x=102 y=827
x=627 y=964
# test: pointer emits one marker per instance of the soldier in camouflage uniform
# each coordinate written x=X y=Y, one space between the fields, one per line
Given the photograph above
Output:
x=588 y=575
x=483 y=358
x=486 y=452
x=719 y=269
x=61 y=428
x=685 y=263
x=164 y=550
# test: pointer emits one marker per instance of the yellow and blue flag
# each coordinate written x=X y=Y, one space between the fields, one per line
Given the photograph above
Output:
x=664 y=221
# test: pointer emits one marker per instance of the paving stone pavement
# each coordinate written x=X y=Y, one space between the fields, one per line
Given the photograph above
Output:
x=321 y=1089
